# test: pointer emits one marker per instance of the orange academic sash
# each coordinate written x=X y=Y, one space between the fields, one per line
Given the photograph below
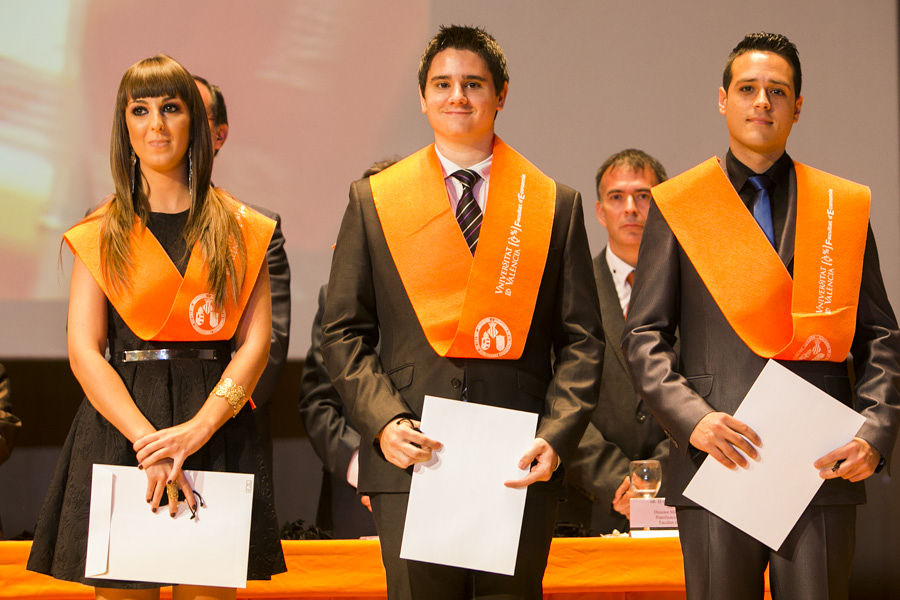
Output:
x=812 y=317
x=159 y=304
x=473 y=307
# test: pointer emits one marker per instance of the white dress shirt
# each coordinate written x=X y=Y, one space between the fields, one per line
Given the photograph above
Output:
x=455 y=187
x=620 y=270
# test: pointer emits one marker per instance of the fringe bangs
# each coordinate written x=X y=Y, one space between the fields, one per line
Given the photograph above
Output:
x=155 y=78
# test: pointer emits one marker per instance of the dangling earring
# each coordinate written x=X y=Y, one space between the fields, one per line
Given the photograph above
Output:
x=134 y=175
x=191 y=171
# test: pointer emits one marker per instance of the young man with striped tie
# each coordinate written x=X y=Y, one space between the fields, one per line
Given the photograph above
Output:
x=472 y=271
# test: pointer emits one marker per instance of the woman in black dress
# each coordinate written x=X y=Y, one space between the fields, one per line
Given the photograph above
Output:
x=166 y=277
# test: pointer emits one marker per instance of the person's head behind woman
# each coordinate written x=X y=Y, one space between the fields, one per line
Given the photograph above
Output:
x=209 y=221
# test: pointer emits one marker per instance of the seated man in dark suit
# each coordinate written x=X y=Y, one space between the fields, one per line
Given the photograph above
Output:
x=622 y=428
x=279 y=280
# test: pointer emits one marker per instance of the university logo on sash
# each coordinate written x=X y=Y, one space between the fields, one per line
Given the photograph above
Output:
x=205 y=318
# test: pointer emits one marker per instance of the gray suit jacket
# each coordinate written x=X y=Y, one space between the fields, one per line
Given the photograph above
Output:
x=333 y=437
x=622 y=428
x=716 y=369
x=556 y=376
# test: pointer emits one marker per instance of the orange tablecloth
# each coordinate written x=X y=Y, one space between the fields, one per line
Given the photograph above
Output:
x=578 y=568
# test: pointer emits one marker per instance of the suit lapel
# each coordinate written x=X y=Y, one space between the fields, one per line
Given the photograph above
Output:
x=610 y=309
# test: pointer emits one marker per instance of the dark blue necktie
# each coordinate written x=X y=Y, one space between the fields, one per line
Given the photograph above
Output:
x=468 y=214
x=762 y=205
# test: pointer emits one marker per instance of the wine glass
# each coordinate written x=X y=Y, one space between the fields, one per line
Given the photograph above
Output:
x=646 y=475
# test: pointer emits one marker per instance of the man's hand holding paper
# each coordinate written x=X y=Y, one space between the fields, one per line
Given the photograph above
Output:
x=403 y=445
x=856 y=460
x=722 y=436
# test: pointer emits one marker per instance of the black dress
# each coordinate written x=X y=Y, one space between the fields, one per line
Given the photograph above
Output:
x=168 y=392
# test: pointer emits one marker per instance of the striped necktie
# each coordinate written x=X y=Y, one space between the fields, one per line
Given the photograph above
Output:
x=468 y=214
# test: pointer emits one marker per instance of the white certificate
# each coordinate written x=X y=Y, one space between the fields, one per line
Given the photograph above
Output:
x=127 y=541
x=460 y=514
x=798 y=423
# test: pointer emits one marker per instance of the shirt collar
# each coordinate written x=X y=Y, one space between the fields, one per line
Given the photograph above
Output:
x=618 y=268
x=738 y=172
x=449 y=167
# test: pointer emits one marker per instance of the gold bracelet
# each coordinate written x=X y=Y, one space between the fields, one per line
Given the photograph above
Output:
x=233 y=394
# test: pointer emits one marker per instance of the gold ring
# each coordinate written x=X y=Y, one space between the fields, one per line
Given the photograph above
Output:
x=172 y=492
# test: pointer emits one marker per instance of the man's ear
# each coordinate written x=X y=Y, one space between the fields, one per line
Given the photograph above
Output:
x=723 y=100
x=220 y=136
x=502 y=96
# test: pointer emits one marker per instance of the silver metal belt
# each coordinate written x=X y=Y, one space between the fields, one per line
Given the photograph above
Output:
x=169 y=354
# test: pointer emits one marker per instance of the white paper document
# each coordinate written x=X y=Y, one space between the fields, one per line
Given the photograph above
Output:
x=460 y=513
x=798 y=424
x=127 y=541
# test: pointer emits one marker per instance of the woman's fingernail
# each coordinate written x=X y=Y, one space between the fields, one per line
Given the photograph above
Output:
x=140 y=467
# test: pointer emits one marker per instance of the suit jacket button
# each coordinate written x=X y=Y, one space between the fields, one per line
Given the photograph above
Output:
x=641 y=417
x=455 y=383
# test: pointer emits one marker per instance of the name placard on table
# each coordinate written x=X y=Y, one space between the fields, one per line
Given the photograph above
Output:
x=650 y=517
